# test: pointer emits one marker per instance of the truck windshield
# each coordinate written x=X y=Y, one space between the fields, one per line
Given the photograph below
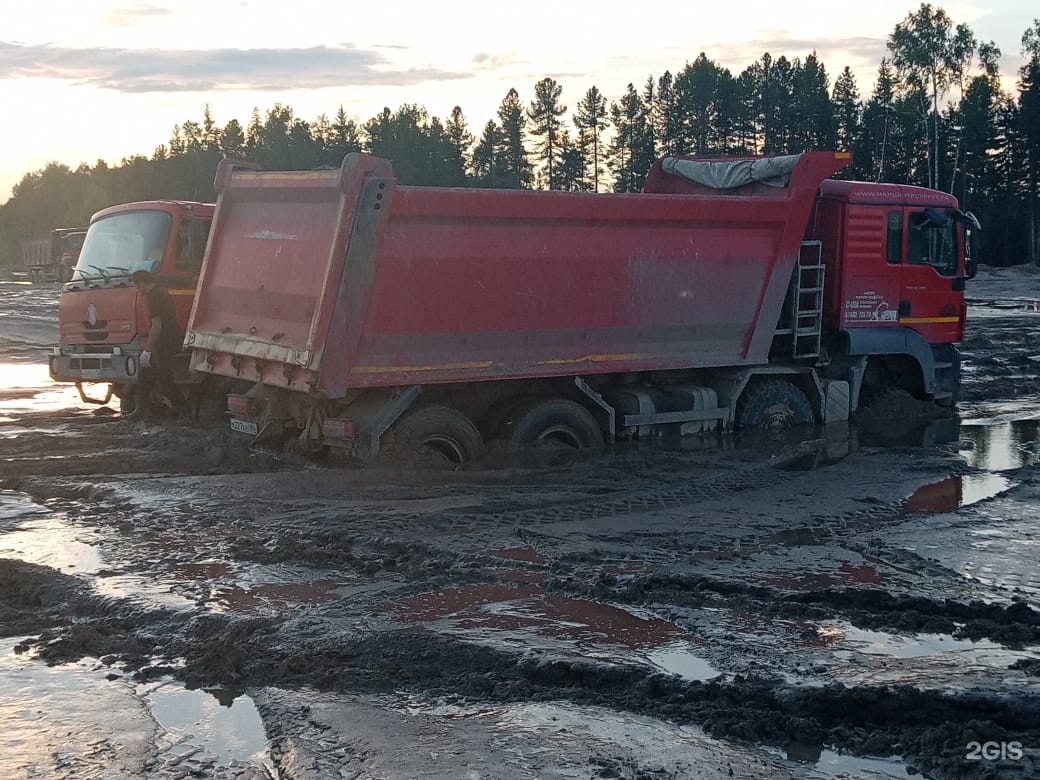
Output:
x=115 y=244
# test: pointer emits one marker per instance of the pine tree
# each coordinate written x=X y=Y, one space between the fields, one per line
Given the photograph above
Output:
x=345 y=137
x=847 y=110
x=513 y=152
x=461 y=141
x=632 y=145
x=591 y=121
x=545 y=112
x=1028 y=125
x=812 y=115
x=488 y=162
x=232 y=141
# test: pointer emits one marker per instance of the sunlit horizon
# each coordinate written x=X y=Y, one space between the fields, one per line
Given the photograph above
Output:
x=112 y=81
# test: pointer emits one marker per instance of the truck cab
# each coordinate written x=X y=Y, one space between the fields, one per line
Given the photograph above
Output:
x=896 y=258
x=102 y=318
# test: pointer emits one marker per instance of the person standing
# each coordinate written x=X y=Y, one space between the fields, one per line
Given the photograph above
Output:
x=159 y=347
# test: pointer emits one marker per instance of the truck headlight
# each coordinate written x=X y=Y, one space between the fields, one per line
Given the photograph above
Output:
x=131 y=365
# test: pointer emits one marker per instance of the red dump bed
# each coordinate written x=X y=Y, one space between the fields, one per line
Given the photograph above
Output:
x=324 y=281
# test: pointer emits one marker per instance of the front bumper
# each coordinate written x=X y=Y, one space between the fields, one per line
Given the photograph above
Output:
x=118 y=365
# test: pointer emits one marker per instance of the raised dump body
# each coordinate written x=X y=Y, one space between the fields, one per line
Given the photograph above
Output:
x=342 y=296
x=335 y=280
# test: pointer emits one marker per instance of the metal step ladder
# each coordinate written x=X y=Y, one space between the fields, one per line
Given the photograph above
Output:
x=802 y=321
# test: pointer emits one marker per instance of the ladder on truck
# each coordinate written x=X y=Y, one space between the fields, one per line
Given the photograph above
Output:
x=801 y=324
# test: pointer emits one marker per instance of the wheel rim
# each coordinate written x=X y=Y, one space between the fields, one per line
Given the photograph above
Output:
x=446 y=447
x=778 y=418
x=563 y=434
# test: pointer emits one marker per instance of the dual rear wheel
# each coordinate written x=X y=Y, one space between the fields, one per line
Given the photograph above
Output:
x=439 y=433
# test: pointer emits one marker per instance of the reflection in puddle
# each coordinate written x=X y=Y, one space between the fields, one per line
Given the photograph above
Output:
x=67 y=720
x=523 y=613
x=276 y=594
x=916 y=646
x=677 y=659
x=523 y=554
x=218 y=722
x=1003 y=446
x=834 y=764
x=51 y=542
x=955 y=492
x=27 y=387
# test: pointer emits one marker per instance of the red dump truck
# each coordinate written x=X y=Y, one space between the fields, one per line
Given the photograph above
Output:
x=52 y=259
x=101 y=317
x=750 y=292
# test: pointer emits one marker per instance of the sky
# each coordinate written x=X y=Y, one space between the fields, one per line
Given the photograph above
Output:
x=107 y=79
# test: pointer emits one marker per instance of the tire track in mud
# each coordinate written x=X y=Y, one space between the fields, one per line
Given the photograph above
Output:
x=928 y=728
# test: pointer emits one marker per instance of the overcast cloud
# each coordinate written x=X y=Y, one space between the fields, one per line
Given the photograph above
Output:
x=131 y=15
x=172 y=70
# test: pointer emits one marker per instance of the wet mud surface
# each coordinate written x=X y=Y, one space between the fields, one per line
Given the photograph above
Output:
x=861 y=600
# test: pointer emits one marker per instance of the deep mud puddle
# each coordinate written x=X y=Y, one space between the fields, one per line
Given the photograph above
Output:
x=206 y=727
x=85 y=720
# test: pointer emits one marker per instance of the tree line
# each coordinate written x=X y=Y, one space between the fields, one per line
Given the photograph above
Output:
x=937 y=116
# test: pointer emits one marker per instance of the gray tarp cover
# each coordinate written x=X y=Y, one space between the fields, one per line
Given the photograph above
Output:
x=724 y=175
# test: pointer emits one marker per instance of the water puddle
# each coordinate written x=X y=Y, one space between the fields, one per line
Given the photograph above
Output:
x=955 y=492
x=1002 y=446
x=68 y=718
x=275 y=595
x=677 y=658
x=522 y=554
x=523 y=613
x=914 y=646
x=221 y=725
x=830 y=763
x=28 y=387
x=51 y=542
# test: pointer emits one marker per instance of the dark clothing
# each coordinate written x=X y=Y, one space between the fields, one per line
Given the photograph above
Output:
x=160 y=305
x=158 y=379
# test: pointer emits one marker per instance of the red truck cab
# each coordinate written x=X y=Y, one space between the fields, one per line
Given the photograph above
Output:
x=896 y=259
x=101 y=317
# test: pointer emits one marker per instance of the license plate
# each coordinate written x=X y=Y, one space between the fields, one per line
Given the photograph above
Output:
x=244 y=426
x=91 y=373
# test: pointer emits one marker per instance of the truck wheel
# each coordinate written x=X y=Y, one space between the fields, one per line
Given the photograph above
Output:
x=774 y=406
x=434 y=431
x=553 y=421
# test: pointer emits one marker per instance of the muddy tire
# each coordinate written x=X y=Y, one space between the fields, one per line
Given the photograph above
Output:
x=774 y=406
x=433 y=433
x=553 y=421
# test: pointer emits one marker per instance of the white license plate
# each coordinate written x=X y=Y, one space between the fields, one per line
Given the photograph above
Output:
x=244 y=426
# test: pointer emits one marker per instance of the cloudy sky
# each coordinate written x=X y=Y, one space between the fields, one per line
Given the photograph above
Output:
x=85 y=81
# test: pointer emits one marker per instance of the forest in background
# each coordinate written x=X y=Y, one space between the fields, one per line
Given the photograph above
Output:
x=937 y=116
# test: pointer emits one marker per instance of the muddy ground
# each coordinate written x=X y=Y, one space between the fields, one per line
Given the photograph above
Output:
x=861 y=600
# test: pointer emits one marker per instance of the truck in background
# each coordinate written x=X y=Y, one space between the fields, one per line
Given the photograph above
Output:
x=101 y=318
x=53 y=259
x=746 y=292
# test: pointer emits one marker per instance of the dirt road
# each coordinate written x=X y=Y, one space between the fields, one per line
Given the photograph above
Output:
x=857 y=601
